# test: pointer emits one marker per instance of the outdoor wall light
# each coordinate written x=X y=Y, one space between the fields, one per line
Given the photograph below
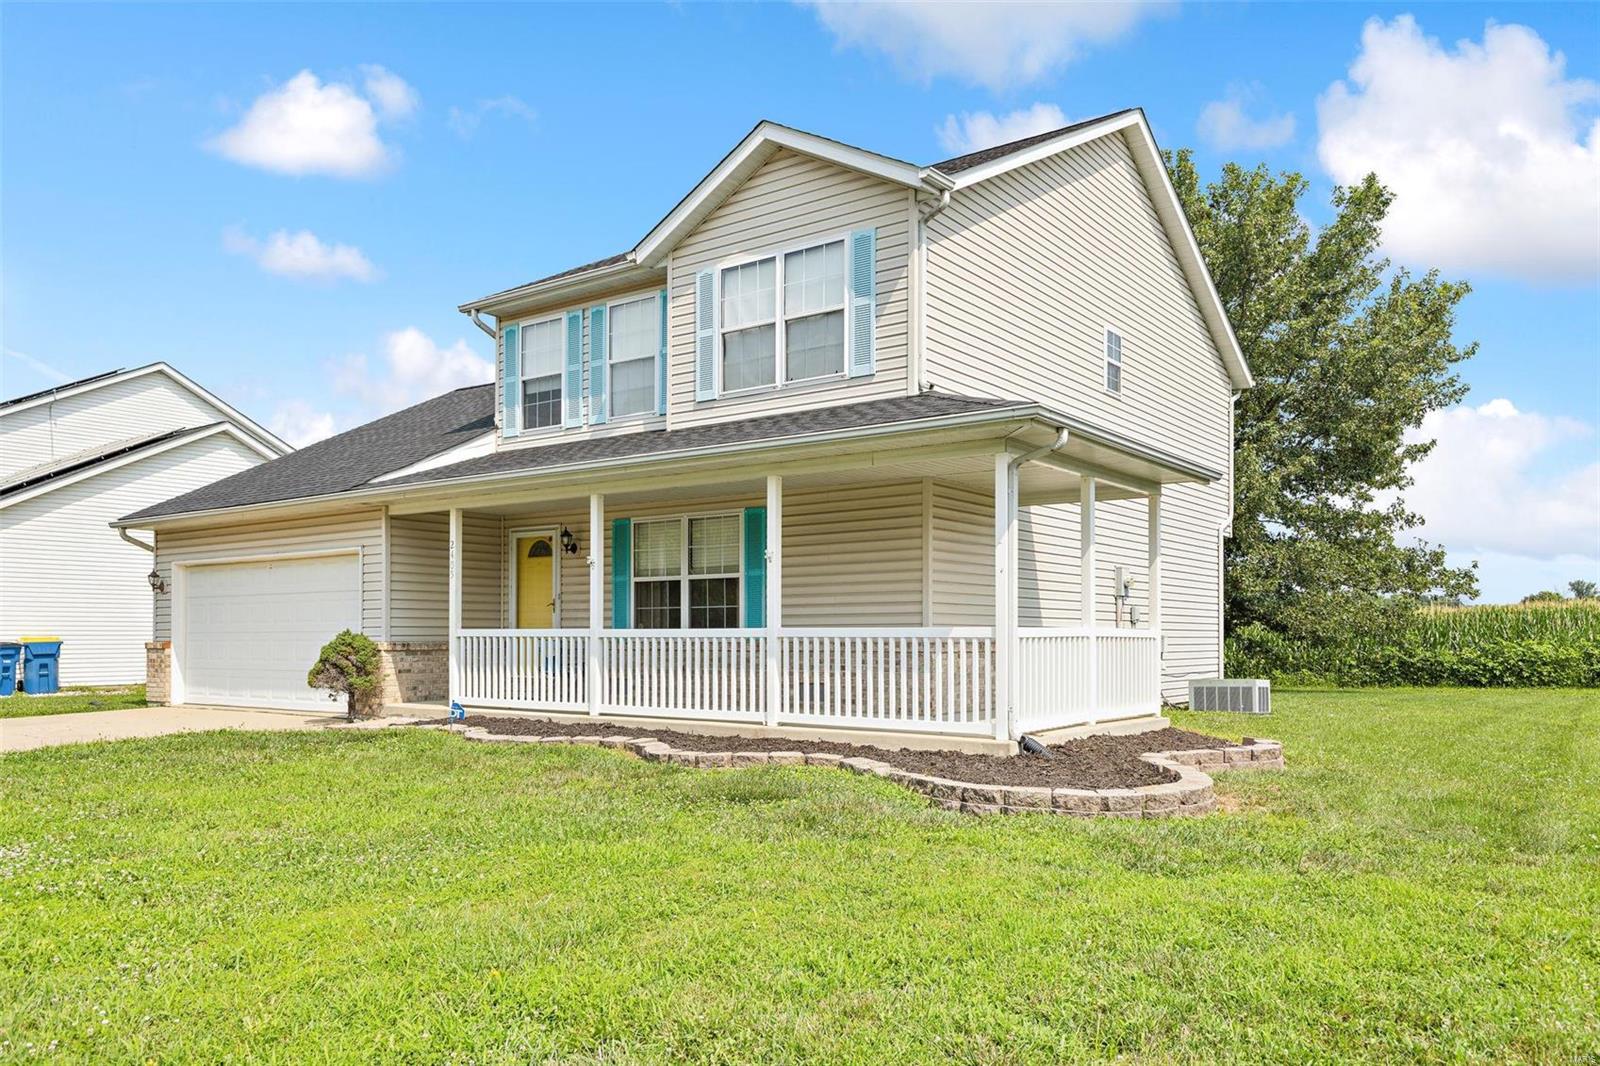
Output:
x=156 y=584
x=569 y=543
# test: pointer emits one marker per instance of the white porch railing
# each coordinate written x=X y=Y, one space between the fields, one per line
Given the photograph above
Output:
x=937 y=680
x=919 y=679
x=525 y=667
x=1074 y=676
x=684 y=673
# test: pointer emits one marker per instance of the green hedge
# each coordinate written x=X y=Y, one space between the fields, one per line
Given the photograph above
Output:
x=1434 y=648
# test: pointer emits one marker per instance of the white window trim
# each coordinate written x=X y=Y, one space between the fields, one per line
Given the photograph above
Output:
x=611 y=362
x=684 y=577
x=512 y=536
x=522 y=375
x=1105 y=359
x=780 y=318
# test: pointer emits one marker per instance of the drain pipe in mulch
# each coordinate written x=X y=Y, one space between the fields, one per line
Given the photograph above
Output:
x=1031 y=746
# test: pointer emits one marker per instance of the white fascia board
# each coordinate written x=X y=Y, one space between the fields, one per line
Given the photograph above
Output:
x=248 y=425
x=138 y=454
x=472 y=449
x=1147 y=156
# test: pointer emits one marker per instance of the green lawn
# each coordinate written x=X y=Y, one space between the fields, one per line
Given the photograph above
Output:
x=1422 y=884
x=72 y=700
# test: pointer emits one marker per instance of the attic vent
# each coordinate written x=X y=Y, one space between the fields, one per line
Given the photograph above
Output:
x=1217 y=694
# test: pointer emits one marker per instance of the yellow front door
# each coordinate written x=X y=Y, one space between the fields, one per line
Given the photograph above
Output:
x=536 y=587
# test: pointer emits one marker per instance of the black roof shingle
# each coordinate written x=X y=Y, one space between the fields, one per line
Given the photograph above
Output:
x=349 y=459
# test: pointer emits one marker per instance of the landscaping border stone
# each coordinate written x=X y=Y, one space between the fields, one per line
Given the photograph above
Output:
x=1193 y=794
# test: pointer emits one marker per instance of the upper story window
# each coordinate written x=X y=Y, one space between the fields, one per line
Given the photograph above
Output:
x=632 y=350
x=686 y=572
x=541 y=373
x=1113 y=361
x=801 y=291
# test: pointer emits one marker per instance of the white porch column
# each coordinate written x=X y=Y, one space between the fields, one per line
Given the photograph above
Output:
x=1005 y=594
x=1153 y=557
x=1086 y=579
x=774 y=595
x=453 y=655
x=597 y=595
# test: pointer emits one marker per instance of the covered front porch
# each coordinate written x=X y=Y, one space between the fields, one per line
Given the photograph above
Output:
x=915 y=590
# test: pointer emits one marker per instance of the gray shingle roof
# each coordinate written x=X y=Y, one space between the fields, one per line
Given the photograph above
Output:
x=873 y=413
x=89 y=457
x=350 y=459
x=1000 y=151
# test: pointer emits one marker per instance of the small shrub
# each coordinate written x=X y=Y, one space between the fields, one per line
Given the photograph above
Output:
x=349 y=664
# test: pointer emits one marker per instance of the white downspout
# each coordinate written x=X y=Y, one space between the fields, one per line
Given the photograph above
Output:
x=476 y=321
x=924 y=213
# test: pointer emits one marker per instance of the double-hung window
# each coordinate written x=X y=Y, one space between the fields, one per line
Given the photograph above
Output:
x=632 y=348
x=782 y=318
x=686 y=572
x=541 y=373
x=1113 y=361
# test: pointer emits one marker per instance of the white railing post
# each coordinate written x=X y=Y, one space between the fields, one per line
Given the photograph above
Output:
x=597 y=596
x=453 y=655
x=1005 y=518
x=1086 y=578
x=774 y=618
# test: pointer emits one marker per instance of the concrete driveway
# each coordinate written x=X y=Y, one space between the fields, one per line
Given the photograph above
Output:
x=46 y=730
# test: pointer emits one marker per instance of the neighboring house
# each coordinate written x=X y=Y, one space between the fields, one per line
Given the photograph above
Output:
x=842 y=442
x=72 y=460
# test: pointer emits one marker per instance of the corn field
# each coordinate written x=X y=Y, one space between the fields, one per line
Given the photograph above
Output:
x=1535 y=644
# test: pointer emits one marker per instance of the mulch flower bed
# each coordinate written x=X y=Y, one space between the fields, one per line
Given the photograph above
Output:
x=1100 y=761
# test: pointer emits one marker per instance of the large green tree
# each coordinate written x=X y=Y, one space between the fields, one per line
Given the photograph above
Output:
x=1348 y=354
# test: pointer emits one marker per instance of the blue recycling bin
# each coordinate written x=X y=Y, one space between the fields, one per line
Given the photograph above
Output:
x=41 y=671
x=10 y=654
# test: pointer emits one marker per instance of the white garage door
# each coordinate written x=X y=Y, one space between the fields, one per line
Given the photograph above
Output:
x=252 y=630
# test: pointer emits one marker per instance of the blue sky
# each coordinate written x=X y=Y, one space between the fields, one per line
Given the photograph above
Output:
x=476 y=147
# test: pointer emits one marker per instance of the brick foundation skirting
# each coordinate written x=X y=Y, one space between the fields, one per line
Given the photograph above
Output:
x=158 y=672
x=1189 y=796
x=411 y=672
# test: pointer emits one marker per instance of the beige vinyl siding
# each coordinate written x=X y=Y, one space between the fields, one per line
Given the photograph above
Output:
x=419 y=577
x=64 y=571
x=149 y=403
x=361 y=530
x=794 y=198
x=962 y=541
x=1024 y=273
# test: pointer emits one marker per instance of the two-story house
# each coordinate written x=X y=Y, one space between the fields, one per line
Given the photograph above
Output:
x=843 y=442
x=73 y=459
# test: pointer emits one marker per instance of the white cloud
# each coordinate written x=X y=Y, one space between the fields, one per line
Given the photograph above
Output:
x=997 y=45
x=411 y=367
x=297 y=422
x=1492 y=166
x=301 y=255
x=466 y=120
x=307 y=127
x=976 y=130
x=395 y=99
x=1224 y=124
x=1488 y=486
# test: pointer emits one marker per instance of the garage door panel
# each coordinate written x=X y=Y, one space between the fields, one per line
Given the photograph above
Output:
x=254 y=629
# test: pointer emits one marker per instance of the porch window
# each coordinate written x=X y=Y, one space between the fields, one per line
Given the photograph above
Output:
x=541 y=373
x=686 y=572
x=635 y=328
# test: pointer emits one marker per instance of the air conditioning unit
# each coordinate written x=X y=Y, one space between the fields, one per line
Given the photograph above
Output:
x=1223 y=694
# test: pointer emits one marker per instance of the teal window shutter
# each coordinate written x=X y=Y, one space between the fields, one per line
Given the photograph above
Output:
x=661 y=358
x=755 y=567
x=705 y=336
x=510 y=383
x=621 y=573
x=572 y=388
x=597 y=365
x=863 y=301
